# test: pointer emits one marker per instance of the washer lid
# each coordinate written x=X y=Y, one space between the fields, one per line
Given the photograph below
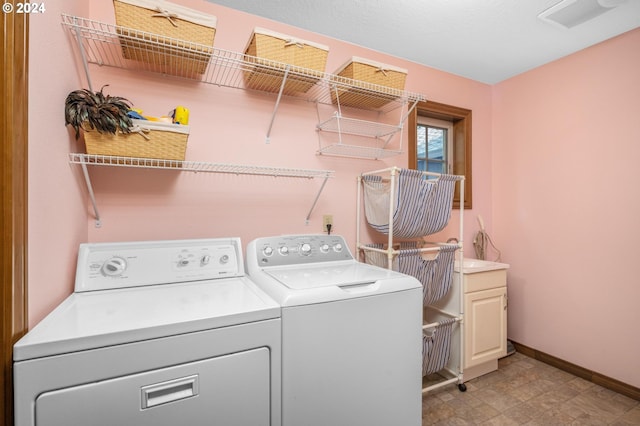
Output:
x=110 y=317
x=296 y=285
x=332 y=274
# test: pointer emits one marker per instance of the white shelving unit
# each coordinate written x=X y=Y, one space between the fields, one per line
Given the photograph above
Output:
x=453 y=371
x=99 y=44
x=85 y=160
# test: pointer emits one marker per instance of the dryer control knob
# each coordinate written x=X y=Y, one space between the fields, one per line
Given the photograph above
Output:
x=204 y=260
x=284 y=250
x=114 y=267
x=324 y=248
x=268 y=251
x=337 y=248
x=305 y=249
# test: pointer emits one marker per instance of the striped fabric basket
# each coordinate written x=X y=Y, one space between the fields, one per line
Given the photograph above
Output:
x=150 y=139
x=266 y=47
x=436 y=347
x=421 y=206
x=367 y=73
x=435 y=274
x=168 y=37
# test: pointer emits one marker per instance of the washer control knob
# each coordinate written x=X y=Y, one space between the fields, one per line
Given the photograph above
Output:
x=183 y=262
x=224 y=259
x=284 y=250
x=324 y=248
x=337 y=248
x=267 y=251
x=204 y=260
x=305 y=249
x=114 y=267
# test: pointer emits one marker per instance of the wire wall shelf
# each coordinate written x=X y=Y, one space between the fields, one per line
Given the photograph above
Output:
x=352 y=126
x=85 y=160
x=366 y=152
x=197 y=166
x=109 y=45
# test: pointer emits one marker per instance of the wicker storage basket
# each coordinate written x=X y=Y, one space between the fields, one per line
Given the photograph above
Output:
x=265 y=47
x=366 y=73
x=165 y=141
x=169 y=37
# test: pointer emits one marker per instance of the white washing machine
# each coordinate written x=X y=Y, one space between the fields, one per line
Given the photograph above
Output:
x=156 y=333
x=351 y=333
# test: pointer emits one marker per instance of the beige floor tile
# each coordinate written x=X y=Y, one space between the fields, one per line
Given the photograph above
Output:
x=525 y=391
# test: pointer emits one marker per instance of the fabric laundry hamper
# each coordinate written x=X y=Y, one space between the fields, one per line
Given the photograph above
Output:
x=420 y=206
x=434 y=274
x=167 y=37
x=271 y=52
x=149 y=139
x=375 y=84
x=436 y=347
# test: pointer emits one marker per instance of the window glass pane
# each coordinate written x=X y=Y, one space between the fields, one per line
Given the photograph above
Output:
x=422 y=142
x=436 y=167
x=422 y=165
x=436 y=143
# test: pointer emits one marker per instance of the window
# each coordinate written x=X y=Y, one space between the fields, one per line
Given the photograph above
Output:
x=434 y=147
x=440 y=141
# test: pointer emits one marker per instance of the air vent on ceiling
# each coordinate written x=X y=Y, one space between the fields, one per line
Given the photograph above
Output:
x=569 y=13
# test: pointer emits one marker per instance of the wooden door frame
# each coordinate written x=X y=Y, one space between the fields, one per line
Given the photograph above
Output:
x=14 y=84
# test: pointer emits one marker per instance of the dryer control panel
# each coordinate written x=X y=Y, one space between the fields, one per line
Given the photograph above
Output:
x=298 y=249
x=104 y=266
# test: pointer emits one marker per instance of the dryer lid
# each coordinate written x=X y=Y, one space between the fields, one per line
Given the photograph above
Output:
x=97 y=319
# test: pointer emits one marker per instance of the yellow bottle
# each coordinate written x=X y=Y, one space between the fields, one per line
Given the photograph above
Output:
x=181 y=115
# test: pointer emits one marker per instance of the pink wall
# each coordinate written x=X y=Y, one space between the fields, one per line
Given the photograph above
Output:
x=227 y=126
x=566 y=207
x=57 y=216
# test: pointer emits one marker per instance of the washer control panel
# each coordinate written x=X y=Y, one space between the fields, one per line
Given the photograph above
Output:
x=104 y=266
x=299 y=249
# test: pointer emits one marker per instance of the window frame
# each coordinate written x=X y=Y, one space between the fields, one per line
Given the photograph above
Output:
x=461 y=140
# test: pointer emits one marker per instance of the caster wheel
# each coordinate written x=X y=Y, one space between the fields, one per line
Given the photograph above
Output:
x=462 y=387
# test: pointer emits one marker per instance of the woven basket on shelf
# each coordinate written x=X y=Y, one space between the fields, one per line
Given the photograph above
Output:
x=266 y=47
x=168 y=37
x=366 y=73
x=163 y=141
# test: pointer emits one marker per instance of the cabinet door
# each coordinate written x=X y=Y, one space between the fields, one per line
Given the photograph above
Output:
x=485 y=326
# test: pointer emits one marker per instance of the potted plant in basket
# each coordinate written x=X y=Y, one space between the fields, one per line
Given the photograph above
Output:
x=87 y=110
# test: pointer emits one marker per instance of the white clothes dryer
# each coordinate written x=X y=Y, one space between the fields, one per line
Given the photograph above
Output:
x=351 y=333
x=155 y=333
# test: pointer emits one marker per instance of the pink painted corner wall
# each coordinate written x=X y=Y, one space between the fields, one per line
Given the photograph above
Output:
x=566 y=161
x=555 y=160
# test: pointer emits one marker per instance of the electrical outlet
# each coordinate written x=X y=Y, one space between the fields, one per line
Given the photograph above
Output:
x=327 y=219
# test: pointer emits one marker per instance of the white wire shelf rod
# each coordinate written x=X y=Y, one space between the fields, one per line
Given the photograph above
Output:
x=354 y=126
x=196 y=166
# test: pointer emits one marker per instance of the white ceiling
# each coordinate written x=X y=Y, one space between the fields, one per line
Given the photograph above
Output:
x=484 y=40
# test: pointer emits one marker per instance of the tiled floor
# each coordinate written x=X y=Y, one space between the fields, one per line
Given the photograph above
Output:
x=525 y=391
